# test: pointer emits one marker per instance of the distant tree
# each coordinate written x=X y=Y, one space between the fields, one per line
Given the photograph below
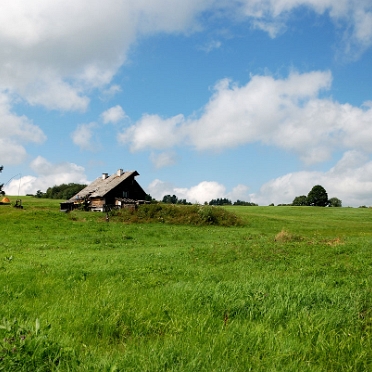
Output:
x=63 y=191
x=318 y=197
x=220 y=201
x=149 y=198
x=1 y=185
x=170 y=199
x=335 y=202
x=300 y=200
x=241 y=202
x=183 y=202
x=39 y=194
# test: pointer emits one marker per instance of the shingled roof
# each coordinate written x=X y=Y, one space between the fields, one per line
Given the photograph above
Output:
x=102 y=185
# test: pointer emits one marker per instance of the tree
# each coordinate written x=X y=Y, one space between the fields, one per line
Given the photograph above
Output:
x=300 y=200
x=63 y=191
x=242 y=202
x=1 y=184
x=220 y=201
x=39 y=194
x=335 y=202
x=170 y=199
x=318 y=197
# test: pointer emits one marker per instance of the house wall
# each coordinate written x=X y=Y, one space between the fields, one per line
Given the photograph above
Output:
x=127 y=189
x=97 y=204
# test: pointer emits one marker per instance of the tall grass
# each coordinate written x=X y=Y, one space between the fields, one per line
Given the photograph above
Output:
x=290 y=290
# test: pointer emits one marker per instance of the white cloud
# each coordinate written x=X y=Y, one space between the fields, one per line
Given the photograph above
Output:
x=211 y=45
x=113 y=115
x=349 y=180
x=110 y=91
x=239 y=192
x=48 y=175
x=153 y=132
x=83 y=137
x=157 y=189
x=272 y=15
x=54 y=53
x=54 y=93
x=163 y=159
x=286 y=113
x=205 y=191
x=15 y=131
x=11 y=152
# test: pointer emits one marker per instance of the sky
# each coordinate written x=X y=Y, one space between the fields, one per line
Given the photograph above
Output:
x=256 y=100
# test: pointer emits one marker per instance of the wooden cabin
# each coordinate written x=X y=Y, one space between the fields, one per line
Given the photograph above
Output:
x=108 y=192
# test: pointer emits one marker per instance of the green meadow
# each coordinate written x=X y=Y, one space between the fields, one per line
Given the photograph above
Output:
x=286 y=289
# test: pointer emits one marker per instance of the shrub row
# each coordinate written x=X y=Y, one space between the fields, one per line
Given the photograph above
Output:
x=179 y=214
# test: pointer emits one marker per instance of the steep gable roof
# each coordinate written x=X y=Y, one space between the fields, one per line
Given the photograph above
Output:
x=101 y=186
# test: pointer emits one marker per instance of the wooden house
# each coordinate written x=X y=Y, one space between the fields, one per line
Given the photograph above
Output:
x=106 y=192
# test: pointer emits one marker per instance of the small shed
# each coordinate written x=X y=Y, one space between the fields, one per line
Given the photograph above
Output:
x=103 y=193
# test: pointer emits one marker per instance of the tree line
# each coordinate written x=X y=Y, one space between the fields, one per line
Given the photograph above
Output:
x=317 y=197
x=63 y=191
x=172 y=199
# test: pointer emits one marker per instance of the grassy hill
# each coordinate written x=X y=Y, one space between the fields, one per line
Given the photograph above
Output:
x=288 y=290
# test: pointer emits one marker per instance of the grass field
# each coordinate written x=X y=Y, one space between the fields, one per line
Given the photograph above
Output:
x=290 y=290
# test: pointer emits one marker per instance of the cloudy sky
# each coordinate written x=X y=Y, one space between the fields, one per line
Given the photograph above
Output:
x=257 y=100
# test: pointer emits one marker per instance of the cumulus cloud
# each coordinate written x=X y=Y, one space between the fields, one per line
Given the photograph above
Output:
x=163 y=159
x=83 y=137
x=113 y=115
x=211 y=45
x=205 y=191
x=15 y=132
x=47 y=175
x=153 y=132
x=349 y=180
x=271 y=16
x=287 y=113
x=52 y=54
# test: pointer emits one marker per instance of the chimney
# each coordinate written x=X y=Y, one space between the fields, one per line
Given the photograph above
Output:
x=120 y=172
x=104 y=176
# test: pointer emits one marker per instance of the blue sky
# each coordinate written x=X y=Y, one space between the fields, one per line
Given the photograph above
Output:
x=245 y=99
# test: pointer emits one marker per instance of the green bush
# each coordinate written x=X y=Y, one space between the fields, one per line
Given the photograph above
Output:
x=179 y=214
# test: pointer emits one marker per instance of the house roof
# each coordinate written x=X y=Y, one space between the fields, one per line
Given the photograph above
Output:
x=101 y=186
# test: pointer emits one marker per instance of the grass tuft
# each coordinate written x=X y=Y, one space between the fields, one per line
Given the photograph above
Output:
x=286 y=237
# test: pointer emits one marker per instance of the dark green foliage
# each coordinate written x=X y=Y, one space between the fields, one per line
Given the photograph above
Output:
x=170 y=199
x=1 y=184
x=335 y=202
x=149 y=198
x=39 y=194
x=29 y=348
x=179 y=214
x=167 y=199
x=63 y=191
x=300 y=200
x=249 y=204
x=220 y=201
x=318 y=197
